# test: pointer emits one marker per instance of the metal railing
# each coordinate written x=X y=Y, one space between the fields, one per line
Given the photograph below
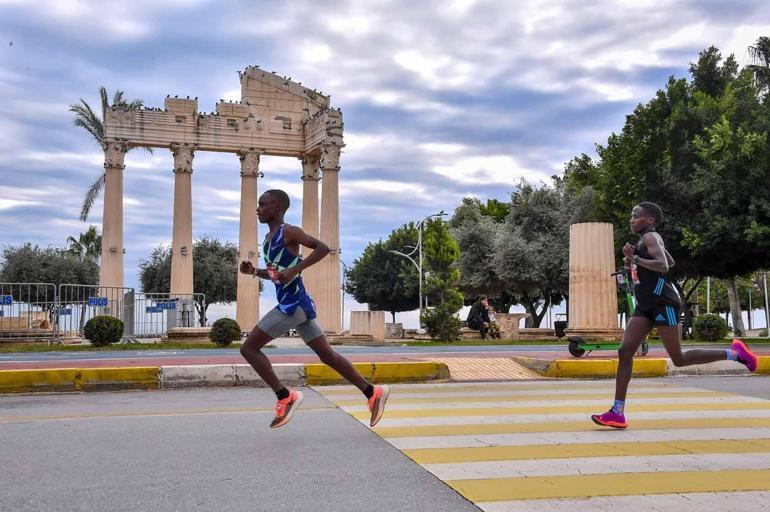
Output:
x=45 y=312
x=156 y=313
x=28 y=312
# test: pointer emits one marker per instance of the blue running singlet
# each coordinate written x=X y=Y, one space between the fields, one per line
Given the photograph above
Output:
x=292 y=294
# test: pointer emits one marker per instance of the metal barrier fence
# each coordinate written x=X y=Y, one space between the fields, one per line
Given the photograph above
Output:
x=156 y=313
x=27 y=312
x=45 y=312
x=78 y=303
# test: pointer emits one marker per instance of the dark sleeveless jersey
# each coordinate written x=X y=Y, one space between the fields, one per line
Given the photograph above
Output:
x=292 y=294
x=654 y=288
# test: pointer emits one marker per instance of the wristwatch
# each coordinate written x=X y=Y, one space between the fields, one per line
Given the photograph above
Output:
x=635 y=259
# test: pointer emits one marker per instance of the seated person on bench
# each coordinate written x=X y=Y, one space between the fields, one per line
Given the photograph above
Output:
x=478 y=317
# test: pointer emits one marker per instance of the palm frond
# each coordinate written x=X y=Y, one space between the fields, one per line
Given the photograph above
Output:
x=105 y=100
x=117 y=99
x=86 y=118
x=91 y=195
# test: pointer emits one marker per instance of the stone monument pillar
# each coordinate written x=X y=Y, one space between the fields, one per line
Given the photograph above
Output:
x=593 y=303
x=247 y=301
x=111 y=265
x=330 y=294
x=181 y=245
x=310 y=178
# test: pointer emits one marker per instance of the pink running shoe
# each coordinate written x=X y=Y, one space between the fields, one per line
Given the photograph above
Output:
x=610 y=419
x=745 y=355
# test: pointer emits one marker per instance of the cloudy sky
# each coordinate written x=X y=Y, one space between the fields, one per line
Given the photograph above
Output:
x=442 y=99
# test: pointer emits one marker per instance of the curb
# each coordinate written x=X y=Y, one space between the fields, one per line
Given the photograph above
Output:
x=174 y=377
x=606 y=368
x=79 y=379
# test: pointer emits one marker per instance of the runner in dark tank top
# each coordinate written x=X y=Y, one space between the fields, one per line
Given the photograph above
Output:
x=658 y=305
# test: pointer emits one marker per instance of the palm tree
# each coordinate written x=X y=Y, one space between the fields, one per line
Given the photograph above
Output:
x=760 y=55
x=86 y=118
x=88 y=245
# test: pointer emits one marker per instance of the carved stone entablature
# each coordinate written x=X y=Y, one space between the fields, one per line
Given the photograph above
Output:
x=183 y=157
x=249 y=162
x=115 y=155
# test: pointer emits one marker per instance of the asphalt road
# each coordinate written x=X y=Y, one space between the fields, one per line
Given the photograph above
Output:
x=201 y=450
x=211 y=449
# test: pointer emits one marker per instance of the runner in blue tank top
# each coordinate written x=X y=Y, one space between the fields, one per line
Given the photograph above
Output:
x=295 y=310
x=657 y=305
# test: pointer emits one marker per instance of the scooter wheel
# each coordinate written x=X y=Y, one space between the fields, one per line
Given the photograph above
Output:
x=575 y=349
x=645 y=348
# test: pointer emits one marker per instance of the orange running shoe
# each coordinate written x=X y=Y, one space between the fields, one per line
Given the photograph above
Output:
x=377 y=403
x=285 y=409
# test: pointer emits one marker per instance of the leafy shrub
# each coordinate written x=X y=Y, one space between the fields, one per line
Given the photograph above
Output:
x=709 y=327
x=103 y=330
x=225 y=331
x=441 y=324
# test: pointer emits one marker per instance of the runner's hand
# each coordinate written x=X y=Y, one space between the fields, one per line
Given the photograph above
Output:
x=247 y=267
x=629 y=251
x=287 y=275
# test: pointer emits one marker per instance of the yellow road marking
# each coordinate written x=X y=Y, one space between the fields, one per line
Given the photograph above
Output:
x=530 y=397
x=564 y=426
x=463 y=388
x=69 y=417
x=506 y=411
x=615 y=484
x=569 y=451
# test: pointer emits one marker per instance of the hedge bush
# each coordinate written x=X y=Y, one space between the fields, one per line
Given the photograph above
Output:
x=225 y=331
x=441 y=324
x=103 y=330
x=709 y=327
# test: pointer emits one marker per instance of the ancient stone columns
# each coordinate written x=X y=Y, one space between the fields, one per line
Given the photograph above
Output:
x=111 y=269
x=181 y=245
x=329 y=293
x=310 y=178
x=593 y=303
x=247 y=305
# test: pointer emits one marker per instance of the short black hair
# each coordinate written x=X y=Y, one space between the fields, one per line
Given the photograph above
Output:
x=280 y=196
x=654 y=210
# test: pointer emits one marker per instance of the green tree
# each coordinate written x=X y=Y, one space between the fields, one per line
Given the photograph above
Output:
x=33 y=264
x=760 y=55
x=524 y=260
x=383 y=280
x=88 y=245
x=700 y=150
x=86 y=118
x=215 y=273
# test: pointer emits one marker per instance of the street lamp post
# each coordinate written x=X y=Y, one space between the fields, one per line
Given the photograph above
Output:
x=418 y=249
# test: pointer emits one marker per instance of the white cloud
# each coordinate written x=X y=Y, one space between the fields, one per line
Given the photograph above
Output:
x=493 y=169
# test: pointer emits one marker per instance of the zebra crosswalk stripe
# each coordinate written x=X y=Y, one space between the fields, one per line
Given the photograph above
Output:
x=531 y=446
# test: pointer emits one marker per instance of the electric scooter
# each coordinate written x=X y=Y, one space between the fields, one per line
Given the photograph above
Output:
x=579 y=347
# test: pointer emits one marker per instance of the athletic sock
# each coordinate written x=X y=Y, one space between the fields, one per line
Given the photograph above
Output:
x=369 y=391
x=732 y=355
x=282 y=394
x=618 y=407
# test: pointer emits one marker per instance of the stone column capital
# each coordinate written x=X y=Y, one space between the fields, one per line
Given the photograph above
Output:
x=249 y=162
x=114 y=155
x=311 y=165
x=183 y=157
x=330 y=157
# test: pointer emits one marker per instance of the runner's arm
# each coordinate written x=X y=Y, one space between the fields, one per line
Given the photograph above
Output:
x=248 y=268
x=320 y=249
x=659 y=259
